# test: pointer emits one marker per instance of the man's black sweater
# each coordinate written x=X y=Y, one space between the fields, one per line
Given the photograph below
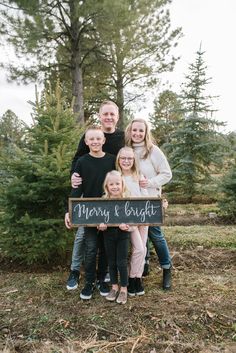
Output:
x=93 y=171
x=112 y=145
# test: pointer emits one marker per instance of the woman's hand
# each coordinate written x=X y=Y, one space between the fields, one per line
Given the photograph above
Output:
x=165 y=203
x=76 y=180
x=67 y=221
x=102 y=227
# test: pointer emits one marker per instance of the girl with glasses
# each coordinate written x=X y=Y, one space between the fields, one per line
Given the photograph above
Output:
x=126 y=164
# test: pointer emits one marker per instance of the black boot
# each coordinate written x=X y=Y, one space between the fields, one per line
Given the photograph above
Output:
x=146 y=270
x=139 y=286
x=166 y=284
x=131 y=287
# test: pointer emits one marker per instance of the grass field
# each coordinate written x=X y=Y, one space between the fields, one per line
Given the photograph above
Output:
x=197 y=316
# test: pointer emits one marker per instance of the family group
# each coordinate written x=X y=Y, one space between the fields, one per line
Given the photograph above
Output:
x=110 y=163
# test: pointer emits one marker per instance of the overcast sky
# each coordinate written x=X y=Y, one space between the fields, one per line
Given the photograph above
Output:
x=209 y=22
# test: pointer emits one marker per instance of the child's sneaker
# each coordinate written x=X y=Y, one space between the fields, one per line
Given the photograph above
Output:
x=103 y=288
x=139 y=286
x=73 y=280
x=112 y=295
x=131 y=287
x=107 y=277
x=122 y=297
x=87 y=291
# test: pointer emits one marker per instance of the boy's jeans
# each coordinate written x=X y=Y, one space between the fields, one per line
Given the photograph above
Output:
x=78 y=250
x=93 y=242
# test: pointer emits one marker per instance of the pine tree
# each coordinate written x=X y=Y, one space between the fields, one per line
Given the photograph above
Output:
x=12 y=129
x=34 y=195
x=136 y=47
x=194 y=147
x=103 y=48
x=227 y=202
x=166 y=116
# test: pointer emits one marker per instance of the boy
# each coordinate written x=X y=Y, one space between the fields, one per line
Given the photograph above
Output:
x=92 y=168
x=108 y=117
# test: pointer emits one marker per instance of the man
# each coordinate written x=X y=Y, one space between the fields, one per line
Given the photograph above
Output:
x=108 y=116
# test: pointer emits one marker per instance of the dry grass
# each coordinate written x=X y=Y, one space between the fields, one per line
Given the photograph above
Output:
x=197 y=316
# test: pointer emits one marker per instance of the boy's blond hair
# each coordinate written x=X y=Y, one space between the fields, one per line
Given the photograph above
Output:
x=134 y=169
x=94 y=127
x=124 y=192
x=148 y=139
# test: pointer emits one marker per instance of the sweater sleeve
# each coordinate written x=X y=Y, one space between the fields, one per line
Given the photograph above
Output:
x=162 y=168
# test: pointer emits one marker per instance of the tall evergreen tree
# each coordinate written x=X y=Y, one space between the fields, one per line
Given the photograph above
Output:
x=136 y=46
x=34 y=192
x=195 y=148
x=104 y=47
x=52 y=35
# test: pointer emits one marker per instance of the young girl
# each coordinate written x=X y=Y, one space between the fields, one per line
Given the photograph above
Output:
x=156 y=170
x=116 y=241
x=127 y=165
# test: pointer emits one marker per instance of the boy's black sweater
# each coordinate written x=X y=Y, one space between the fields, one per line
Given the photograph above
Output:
x=93 y=171
x=112 y=145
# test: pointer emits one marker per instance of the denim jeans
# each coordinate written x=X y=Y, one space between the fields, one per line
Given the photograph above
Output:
x=78 y=254
x=117 y=246
x=78 y=250
x=92 y=239
x=160 y=245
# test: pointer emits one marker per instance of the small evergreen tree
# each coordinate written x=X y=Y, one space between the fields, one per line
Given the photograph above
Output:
x=194 y=147
x=12 y=129
x=227 y=202
x=35 y=192
x=166 y=117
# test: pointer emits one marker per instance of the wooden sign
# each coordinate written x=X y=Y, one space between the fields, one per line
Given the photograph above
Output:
x=133 y=211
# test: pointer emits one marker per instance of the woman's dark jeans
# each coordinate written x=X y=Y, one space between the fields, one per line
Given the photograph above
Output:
x=160 y=245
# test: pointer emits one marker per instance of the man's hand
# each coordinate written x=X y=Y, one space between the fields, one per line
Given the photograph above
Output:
x=76 y=180
x=67 y=221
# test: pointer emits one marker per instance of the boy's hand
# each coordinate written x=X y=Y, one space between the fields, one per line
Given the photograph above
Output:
x=67 y=221
x=76 y=180
x=102 y=227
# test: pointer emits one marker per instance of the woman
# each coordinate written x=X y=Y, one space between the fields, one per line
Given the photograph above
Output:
x=156 y=170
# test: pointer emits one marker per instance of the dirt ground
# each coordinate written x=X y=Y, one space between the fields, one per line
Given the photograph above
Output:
x=197 y=316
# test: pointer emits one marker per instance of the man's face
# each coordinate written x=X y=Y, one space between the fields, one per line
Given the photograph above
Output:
x=94 y=139
x=109 y=117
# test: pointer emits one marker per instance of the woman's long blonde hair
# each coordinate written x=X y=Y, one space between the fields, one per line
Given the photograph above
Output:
x=134 y=168
x=124 y=192
x=148 y=139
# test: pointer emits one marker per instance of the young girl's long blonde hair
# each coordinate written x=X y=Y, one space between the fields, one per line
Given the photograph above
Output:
x=124 y=192
x=134 y=169
x=148 y=139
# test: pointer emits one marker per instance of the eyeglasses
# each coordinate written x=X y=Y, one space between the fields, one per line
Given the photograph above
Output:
x=129 y=159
